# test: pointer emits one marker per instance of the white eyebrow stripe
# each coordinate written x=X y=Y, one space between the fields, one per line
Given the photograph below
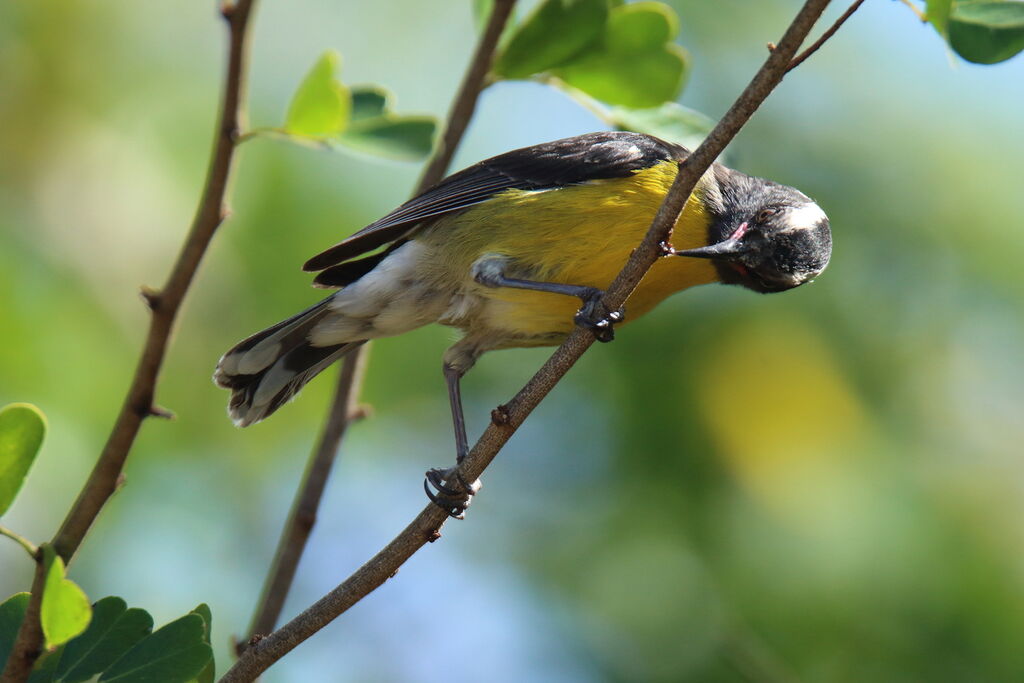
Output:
x=804 y=217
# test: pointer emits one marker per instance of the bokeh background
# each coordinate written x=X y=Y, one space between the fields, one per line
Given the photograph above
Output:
x=826 y=485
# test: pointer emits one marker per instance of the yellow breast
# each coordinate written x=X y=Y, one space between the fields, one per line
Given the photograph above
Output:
x=581 y=235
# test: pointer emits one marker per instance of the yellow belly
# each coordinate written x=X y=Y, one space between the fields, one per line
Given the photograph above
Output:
x=580 y=235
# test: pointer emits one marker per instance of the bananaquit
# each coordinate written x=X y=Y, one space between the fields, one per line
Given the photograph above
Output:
x=506 y=249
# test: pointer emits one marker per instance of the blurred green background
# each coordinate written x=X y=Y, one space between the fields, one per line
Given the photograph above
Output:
x=822 y=486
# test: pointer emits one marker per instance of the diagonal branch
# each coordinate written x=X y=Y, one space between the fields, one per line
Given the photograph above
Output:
x=465 y=101
x=799 y=59
x=343 y=406
x=507 y=418
x=164 y=305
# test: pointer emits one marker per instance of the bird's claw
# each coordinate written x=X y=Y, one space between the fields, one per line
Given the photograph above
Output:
x=452 y=500
x=595 y=316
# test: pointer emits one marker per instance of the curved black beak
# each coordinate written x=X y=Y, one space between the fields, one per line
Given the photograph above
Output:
x=730 y=250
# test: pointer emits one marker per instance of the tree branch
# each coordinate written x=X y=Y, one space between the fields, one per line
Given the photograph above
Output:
x=165 y=303
x=798 y=60
x=465 y=101
x=507 y=418
x=164 y=306
x=28 y=545
x=339 y=415
x=30 y=634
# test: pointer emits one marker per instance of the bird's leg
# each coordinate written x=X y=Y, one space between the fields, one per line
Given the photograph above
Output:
x=593 y=314
x=453 y=497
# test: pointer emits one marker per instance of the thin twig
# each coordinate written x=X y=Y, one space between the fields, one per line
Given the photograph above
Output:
x=465 y=100
x=164 y=304
x=211 y=212
x=304 y=510
x=916 y=10
x=30 y=634
x=798 y=60
x=507 y=418
x=28 y=545
x=303 y=516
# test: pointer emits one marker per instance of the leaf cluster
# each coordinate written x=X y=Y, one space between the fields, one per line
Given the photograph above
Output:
x=326 y=111
x=106 y=639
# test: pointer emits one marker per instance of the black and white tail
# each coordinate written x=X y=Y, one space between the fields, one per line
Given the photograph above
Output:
x=267 y=369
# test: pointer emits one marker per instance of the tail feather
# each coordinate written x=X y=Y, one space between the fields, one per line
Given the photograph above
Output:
x=269 y=368
x=255 y=397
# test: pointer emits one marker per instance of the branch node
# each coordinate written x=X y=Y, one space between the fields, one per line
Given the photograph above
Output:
x=665 y=248
x=500 y=416
x=120 y=482
x=225 y=211
x=393 y=574
x=150 y=296
x=227 y=10
x=799 y=59
x=360 y=412
x=771 y=46
x=433 y=535
x=162 y=413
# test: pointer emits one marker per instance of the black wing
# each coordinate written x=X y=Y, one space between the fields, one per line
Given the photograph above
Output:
x=553 y=164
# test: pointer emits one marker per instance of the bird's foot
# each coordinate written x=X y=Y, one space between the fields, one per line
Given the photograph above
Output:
x=451 y=496
x=596 y=317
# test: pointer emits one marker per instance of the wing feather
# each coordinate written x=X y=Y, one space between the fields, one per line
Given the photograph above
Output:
x=569 y=161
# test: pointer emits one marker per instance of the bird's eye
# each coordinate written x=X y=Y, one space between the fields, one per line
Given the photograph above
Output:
x=764 y=214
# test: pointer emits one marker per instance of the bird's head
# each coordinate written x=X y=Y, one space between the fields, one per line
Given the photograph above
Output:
x=766 y=237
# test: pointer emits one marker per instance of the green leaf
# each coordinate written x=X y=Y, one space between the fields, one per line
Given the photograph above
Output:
x=22 y=428
x=641 y=26
x=987 y=32
x=12 y=612
x=208 y=672
x=65 y=611
x=46 y=666
x=114 y=630
x=369 y=101
x=635 y=65
x=321 y=105
x=937 y=13
x=399 y=137
x=553 y=34
x=671 y=121
x=175 y=653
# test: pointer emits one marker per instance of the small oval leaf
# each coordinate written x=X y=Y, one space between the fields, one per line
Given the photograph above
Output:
x=986 y=32
x=174 y=653
x=321 y=104
x=114 y=630
x=65 y=611
x=22 y=428
x=555 y=32
x=369 y=101
x=634 y=65
x=400 y=137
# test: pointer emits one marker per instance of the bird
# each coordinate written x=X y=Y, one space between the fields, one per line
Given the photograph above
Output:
x=516 y=251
